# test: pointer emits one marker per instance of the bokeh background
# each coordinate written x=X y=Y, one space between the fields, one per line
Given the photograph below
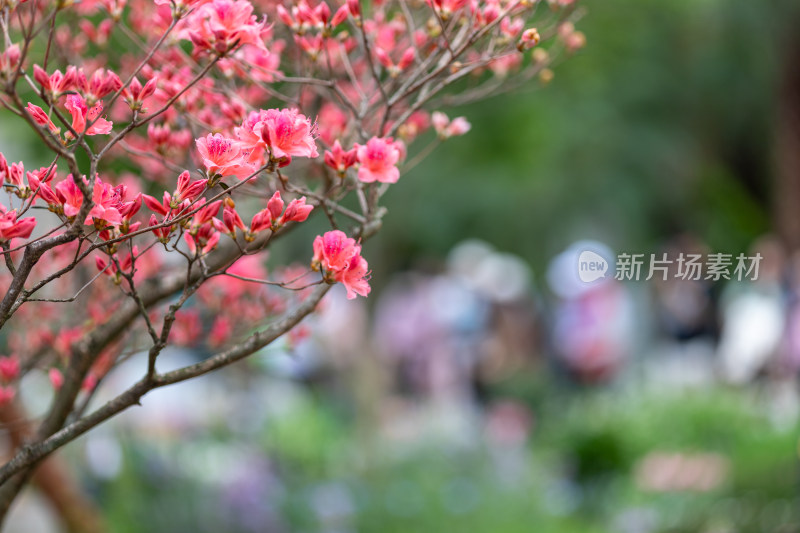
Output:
x=478 y=391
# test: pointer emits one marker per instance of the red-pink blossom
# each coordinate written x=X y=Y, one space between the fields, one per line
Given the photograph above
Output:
x=106 y=201
x=204 y=239
x=81 y=115
x=340 y=257
x=232 y=220
x=69 y=196
x=41 y=118
x=7 y=394
x=334 y=250
x=220 y=25
x=355 y=277
x=339 y=159
x=275 y=206
x=378 y=160
x=135 y=94
x=9 y=367
x=56 y=378
x=288 y=133
x=222 y=156
x=447 y=128
x=9 y=61
x=11 y=228
x=296 y=211
x=188 y=189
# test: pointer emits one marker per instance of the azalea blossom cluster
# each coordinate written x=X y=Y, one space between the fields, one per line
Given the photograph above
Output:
x=178 y=142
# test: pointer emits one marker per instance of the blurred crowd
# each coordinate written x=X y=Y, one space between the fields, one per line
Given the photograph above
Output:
x=446 y=361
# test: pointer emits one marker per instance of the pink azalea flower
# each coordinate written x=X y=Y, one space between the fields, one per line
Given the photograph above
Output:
x=296 y=211
x=220 y=24
x=232 y=220
x=355 y=277
x=69 y=196
x=7 y=394
x=56 y=378
x=41 y=118
x=106 y=205
x=206 y=238
x=334 y=249
x=9 y=367
x=446 y=129
x=81 y=115
x=378 y=160
x=222 y=156
x=340 y=257
x=11 y=228
x=275 y=206
x=288 y=133
x=339 y=159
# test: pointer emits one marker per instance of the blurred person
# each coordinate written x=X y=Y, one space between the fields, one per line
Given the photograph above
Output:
x=686 y=329
x=753 y=316
x=447 y=332
x=789 y=362
x=594 y=324
x=684 y=307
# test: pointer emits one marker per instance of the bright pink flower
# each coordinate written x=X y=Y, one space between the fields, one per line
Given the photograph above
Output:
x=207 y=213
x=9 y=60
x=340 y=16
x=11 y=228
x=13 y=178
x=355 y=277
x=56 y=84
x=296 y=211
x=56 y=378
x=354 y=6
x=9 y=367
x=446 y=129
x=222 y=156
x=135 y=94
x=220 y=24
x=102 y=83
x=288 y=133
x=275 y=206
x=339 y=159
x=69 y=196
x=188 y=189
x=81 y=114
x=261 y=221
x=447 y=7
x=106 y=201
x=274 y=215
x=340 y=257
x=7 y=394
x=41 y=118
x=232 y=220
x=221 y=331
x=163 y=233
x=206 y=238
x=334 y=250
x=378 y=160
x=162 y=208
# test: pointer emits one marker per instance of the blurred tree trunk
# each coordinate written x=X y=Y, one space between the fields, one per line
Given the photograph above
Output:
x=52 y=478
x=787 y=138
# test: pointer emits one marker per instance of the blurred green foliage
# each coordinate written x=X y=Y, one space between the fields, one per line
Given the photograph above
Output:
x=577 y=474
x=662 y=124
